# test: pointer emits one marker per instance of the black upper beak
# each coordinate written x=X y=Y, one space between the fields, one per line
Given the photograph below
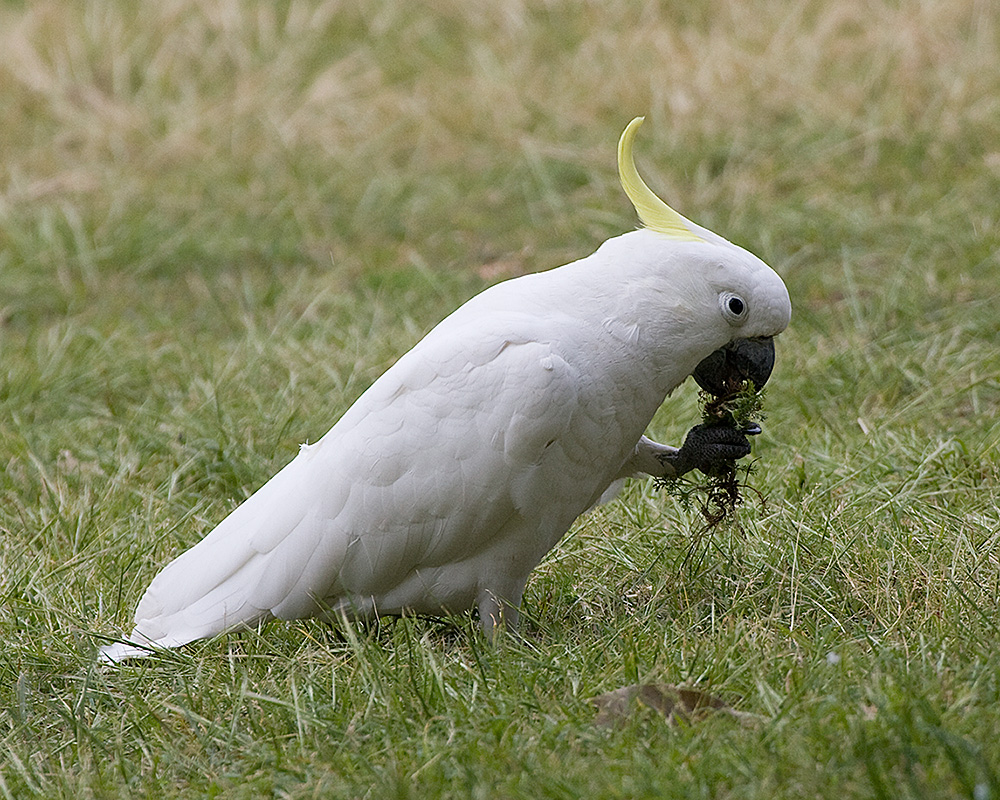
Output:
x=741 y=360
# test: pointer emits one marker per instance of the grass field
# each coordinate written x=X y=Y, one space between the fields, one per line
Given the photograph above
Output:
x=221 y=220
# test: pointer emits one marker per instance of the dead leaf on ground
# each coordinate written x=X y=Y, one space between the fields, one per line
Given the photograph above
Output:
x=673 y=702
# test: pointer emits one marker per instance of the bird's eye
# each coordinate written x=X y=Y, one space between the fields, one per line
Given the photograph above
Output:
x=734 y=307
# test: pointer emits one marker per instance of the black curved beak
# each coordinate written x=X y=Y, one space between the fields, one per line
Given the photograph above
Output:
x=724 y=371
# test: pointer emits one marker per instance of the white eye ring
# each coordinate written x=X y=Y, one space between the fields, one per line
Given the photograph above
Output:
x=734 y=307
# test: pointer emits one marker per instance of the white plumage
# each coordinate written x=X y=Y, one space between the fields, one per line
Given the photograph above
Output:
x=447 y=481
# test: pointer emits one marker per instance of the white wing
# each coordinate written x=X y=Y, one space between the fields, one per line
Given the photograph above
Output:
x=450 y=477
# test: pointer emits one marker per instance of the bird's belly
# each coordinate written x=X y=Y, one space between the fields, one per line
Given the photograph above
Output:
x=451 y=589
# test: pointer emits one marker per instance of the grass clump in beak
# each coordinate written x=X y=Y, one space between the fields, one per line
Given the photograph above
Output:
x=718 y=494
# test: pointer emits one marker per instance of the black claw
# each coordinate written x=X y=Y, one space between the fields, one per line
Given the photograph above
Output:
x=707 y=448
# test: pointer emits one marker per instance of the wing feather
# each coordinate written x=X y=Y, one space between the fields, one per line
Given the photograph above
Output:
x=422 y=473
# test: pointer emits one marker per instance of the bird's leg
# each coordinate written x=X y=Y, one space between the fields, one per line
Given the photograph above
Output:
x=709 y=448
x=496 y=614
x=705 y=448
x=650 y=458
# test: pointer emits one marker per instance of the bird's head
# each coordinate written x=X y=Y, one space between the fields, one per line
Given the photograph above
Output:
x=740 y=303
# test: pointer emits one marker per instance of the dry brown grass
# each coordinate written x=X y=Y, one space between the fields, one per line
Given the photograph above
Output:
x=360 y=102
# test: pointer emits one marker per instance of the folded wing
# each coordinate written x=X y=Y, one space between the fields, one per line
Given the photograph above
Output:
x=400 y=505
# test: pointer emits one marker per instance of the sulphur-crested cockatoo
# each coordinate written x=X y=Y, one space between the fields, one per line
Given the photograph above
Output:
x=454 y=474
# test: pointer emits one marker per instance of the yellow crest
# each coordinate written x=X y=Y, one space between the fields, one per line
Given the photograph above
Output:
x=654 y=213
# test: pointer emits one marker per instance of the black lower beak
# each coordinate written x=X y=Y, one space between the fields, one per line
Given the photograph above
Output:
x=724 y=371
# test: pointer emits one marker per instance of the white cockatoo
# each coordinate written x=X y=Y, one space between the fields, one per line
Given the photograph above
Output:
x=452 y=476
